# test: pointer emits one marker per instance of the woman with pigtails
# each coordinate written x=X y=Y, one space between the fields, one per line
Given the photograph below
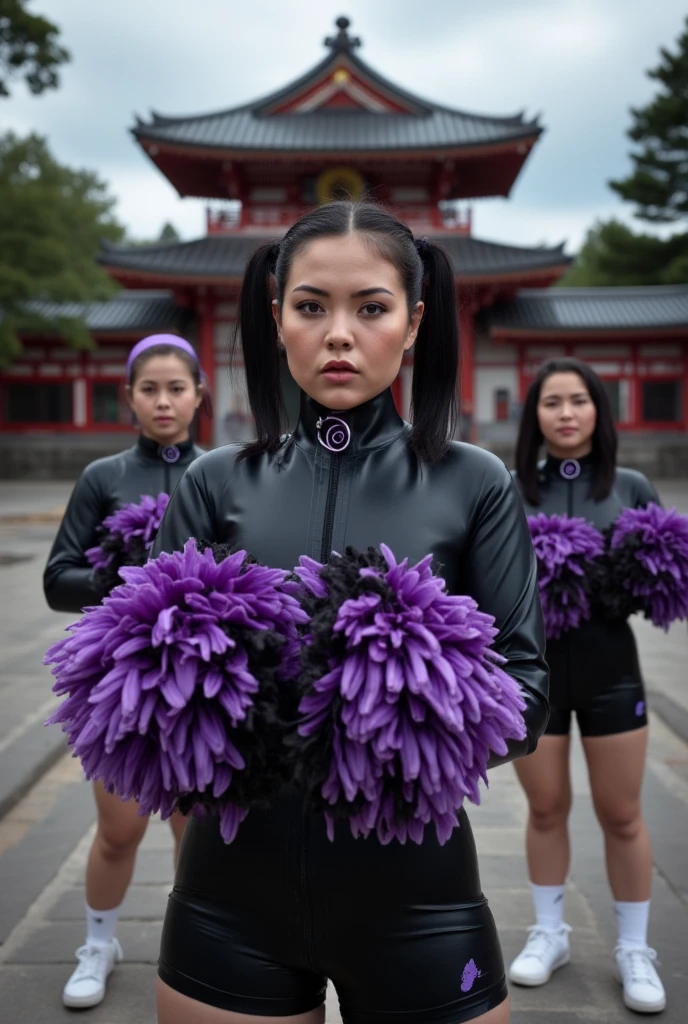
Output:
x=594 y=668
x=396 y=919
x=106 y=525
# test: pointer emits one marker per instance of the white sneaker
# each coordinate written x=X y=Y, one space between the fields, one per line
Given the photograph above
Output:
x=86 y=987
x=545 y=950
x=642 y=989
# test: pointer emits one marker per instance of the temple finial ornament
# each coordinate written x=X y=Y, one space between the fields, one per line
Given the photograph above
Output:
x=343 y=42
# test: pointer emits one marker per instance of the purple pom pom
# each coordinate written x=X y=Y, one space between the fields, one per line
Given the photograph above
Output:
x=126 y=539
x=166 y=677
x=403 y=699
x=565 y=548
x=653 y=543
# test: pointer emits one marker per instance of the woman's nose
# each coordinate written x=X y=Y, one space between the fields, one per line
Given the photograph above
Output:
x=339 y=334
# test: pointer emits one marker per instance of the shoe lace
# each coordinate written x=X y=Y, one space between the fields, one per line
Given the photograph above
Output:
x=93 y=960
x=540 y=940
x=640 y=963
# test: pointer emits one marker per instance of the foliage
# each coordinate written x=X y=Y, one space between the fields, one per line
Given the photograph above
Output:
x=659 y=183
x=168 y=236
x=613 y=254
x=52 y=219
x=28 y=47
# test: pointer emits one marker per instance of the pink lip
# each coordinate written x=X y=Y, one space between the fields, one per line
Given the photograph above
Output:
x=567 y=430
x=339 y=371
x=163 y=419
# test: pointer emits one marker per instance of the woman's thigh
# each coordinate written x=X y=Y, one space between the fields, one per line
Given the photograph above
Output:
x=176 y=1008
x=119 y=821
x=616 y=765
x=545 y=775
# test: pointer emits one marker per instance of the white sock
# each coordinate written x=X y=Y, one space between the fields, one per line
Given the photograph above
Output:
x=632 y=920
x=100 y=925
x=548 y=901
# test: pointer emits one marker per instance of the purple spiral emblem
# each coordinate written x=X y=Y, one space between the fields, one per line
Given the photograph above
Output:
x=640 y=708
x=170 y=453
x=333 y=433
x=570 y=469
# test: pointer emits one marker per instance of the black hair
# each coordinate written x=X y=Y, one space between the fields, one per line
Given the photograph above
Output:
x=604 y=439
x=192 y=365
x=426 y=274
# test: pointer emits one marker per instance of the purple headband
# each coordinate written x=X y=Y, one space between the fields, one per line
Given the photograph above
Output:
x=161 y=339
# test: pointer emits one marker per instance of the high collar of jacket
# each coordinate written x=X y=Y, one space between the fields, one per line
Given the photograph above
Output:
x=150 y=449
x=373 y=424
x=551 y=467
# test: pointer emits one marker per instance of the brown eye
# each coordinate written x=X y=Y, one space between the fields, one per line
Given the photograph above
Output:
x=310 y=308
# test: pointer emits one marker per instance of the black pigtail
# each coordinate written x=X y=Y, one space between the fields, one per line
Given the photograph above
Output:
x=256 y=333
x=434 y=395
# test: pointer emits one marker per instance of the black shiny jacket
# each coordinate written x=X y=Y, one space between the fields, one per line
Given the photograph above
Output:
x=571 y=497
x=305 y=499
x=103 y=487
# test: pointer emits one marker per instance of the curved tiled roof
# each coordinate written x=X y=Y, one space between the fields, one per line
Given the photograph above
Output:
x=126 y=311
x=219 y=256
x=353 y=131
x=255 y=127
x=593 y=309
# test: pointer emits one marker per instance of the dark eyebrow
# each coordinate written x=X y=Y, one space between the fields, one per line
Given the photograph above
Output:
x=146 y=380
x=356 y=295
x=576 y=394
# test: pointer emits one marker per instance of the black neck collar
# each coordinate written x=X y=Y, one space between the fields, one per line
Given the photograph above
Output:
x=569 y=469
x=371 y=425
x=151 y=449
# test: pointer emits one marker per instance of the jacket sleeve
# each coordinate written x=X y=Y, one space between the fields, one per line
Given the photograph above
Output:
x=68 y=578
x=645 y=492
x=502 y=577
x=188 y=514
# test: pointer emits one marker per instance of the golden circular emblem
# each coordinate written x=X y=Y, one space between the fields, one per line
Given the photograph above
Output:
x=339 y=183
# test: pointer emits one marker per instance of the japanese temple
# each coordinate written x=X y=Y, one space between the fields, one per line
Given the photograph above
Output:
x=345 y=130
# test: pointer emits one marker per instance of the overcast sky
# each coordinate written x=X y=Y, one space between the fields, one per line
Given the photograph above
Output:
x=579 y=63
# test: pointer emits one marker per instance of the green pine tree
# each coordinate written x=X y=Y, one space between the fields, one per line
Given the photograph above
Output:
x=659 y=183
x=613 y=254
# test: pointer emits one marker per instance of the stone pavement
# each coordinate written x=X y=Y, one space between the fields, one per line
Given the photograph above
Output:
x=44 y=837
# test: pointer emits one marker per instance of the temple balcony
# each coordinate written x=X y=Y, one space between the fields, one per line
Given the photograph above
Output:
x=240 y=218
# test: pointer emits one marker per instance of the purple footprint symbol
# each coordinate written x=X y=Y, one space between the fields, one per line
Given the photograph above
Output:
x=470 y=973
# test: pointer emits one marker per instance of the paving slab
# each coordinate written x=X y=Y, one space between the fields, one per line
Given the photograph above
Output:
x=142 y=903
x=26 y=868
x=54 y=942
x=31 y=994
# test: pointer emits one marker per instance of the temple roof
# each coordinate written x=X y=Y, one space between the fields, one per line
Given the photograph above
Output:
x=127 y=311
x=223 y=257
x=341 y=104
x=591 y=309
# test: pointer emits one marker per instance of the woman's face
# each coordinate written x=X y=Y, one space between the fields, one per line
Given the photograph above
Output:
x=164 y=399
x=344 y=322
x=567 y=416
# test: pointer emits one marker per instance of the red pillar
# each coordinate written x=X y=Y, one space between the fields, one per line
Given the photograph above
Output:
x=467 y=362
x=206 y=354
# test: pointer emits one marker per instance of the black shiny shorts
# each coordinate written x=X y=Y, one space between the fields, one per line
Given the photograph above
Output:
x=403 y=932
x=595 y=672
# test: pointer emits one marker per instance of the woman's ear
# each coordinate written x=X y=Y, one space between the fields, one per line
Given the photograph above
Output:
x=200 y=393
x=128 y=394
x=277 y=316
x=414 y=325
